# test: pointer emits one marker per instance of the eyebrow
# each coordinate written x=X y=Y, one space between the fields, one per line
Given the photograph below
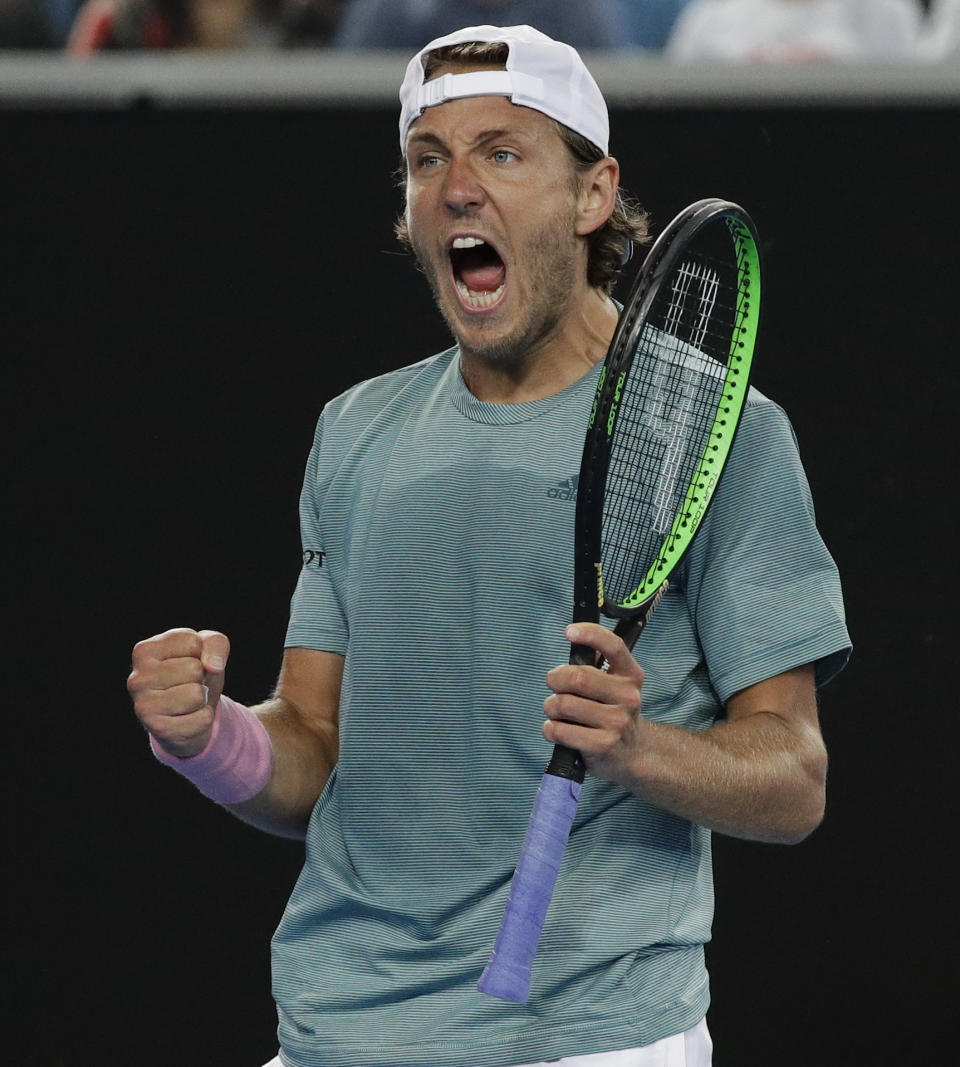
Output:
x=425 y=138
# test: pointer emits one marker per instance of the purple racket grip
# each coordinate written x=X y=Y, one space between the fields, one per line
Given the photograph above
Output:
x=507 y=975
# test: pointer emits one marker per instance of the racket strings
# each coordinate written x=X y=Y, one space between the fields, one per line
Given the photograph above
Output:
x=667 y=413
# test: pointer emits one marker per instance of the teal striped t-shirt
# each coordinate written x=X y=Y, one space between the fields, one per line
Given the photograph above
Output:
x=437 y=537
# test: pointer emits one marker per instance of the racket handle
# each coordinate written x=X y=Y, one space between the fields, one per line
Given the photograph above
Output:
x=507 y=975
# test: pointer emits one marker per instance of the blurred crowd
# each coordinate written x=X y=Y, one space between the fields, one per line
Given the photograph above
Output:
x=686 y=31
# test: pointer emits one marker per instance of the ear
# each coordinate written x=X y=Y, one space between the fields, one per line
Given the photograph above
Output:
x=598 y=195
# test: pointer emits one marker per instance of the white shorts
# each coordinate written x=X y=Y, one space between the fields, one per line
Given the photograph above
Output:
x=693 y=1048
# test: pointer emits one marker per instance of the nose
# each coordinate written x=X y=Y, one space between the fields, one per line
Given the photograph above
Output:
x=462 y=191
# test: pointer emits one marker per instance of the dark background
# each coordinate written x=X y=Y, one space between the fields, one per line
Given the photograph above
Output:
x=182 y=292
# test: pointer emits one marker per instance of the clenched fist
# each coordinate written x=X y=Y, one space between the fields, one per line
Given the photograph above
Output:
x=175 y=684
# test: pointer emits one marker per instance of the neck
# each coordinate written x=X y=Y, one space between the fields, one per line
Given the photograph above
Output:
x=576 y=345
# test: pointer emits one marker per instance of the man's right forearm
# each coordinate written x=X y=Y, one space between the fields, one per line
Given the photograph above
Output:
x=268 y=765
x=304 y=754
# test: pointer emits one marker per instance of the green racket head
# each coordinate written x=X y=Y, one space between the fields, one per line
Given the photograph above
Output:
x=666 y=410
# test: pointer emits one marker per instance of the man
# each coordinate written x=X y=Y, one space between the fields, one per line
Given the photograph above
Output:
x=406 y=740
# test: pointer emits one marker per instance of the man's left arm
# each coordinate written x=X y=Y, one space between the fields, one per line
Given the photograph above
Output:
x=759 y=774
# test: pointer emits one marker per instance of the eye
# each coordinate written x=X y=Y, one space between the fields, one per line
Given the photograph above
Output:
x=427 y=161
x=502 y=155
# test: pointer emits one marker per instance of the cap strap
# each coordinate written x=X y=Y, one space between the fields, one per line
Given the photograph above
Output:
x=478 y=83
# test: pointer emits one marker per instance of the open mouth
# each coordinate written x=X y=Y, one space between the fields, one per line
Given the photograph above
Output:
x=478 y=272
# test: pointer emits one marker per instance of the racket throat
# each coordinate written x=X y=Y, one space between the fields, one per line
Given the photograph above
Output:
x=630 y=628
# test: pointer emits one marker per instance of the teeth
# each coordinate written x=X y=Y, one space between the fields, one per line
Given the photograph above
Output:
x=468 y=242
x=479 y=299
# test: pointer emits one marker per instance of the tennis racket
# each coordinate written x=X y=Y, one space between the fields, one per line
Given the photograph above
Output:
x=670 y=396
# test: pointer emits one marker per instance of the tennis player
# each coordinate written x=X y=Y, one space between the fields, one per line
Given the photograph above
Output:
x=427 y=636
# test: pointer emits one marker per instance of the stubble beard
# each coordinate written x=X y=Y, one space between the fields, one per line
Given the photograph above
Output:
x=550 y=265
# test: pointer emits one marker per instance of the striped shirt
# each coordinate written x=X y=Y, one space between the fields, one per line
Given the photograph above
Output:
x=437 y=537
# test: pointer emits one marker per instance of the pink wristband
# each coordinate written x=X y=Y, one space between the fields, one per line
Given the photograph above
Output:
x=237 y=760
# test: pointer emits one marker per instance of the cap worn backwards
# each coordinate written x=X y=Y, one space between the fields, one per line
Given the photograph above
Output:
x=541 y=73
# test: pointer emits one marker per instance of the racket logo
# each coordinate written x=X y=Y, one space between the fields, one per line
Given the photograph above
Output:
x=615 y=403
x=703 y=499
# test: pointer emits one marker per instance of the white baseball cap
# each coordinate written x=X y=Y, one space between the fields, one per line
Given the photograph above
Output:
x=541 y=73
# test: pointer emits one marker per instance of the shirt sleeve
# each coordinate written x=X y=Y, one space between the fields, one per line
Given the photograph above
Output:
x=317 y=618
x=763 y=588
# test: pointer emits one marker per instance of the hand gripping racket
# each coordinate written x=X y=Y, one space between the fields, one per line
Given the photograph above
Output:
x=670 y=395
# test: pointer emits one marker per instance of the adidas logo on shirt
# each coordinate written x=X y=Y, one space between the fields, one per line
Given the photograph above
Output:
x=565 y=490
